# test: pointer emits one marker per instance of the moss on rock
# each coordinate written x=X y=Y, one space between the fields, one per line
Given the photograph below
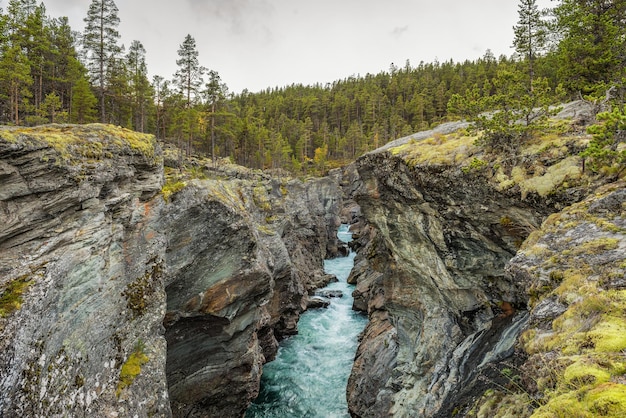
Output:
x=11 y=297
x=131 y=368
x=76 y=143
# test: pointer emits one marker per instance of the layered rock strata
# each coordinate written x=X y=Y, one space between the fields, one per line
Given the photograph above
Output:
x=81 y=265
x=440 y=224
x=242 y=258
x=118 y=302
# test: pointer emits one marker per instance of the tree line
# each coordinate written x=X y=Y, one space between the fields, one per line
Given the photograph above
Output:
x=52 y=74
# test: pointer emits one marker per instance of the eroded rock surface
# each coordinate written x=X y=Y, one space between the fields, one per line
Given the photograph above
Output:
x=242 y=258
x=81 y=264
x=116 y=302
x=436 y=237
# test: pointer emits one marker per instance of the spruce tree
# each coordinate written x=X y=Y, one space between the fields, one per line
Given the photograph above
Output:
x=593 y=41
x=100 y=40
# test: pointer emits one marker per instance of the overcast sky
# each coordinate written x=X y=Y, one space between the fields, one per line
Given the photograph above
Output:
x=256 y=44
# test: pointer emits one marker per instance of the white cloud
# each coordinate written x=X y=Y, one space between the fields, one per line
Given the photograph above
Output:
x=256 y=44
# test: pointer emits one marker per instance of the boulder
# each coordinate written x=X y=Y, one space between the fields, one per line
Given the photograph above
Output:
x=329 y=293
x=316 y=302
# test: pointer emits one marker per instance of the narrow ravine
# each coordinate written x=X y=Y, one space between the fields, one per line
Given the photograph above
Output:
x=310 y=373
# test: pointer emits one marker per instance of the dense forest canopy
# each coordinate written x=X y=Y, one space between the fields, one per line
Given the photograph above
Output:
x=52 y=74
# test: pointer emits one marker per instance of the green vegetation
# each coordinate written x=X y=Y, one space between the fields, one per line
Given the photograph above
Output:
x=11 y=297
x=92 y=142
x=309 y=129
x=545 y=164
x=605 y=151
x=139 y=291
x=171 y=187
x=132 y=367
x=586 y=372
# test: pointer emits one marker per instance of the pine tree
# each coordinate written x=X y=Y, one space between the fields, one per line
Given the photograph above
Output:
x=83 y=102
x=100 y=41
x=139 y=84
x=119 y=97
x=15 y=79
x=215 y=93
x=188 y=78
x=530 y=35
x=66 y=68
x=40 y=52
x=157 y=86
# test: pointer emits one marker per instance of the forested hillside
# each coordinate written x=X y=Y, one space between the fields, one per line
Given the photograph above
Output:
x=52 y=74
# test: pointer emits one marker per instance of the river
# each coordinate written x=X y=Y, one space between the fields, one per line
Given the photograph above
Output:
x=308 y=378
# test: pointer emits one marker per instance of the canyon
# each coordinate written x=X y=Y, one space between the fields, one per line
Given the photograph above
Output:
x=126 y=293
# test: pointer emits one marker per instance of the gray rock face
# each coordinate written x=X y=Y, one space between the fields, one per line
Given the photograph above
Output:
x=432 y=279
x=82 y=238
x=241 y=258
x=116 y=303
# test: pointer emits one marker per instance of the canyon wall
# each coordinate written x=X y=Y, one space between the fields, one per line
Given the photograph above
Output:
x=242 y=257
x=440 y=224
x=118 y=302
x=81 y=272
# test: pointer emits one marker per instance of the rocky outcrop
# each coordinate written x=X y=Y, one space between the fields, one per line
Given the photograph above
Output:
x=574 y=271
x=242 y=257
x=81 y=267
x=118 y=302
x=441 y=225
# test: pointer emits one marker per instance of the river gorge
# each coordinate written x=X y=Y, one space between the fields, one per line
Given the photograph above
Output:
x=310 y=373
x=478 y=289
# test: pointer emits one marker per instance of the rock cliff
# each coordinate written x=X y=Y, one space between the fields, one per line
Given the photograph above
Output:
x=443 y=222
x=241 y=259
x=121 y=296
x=81 y=266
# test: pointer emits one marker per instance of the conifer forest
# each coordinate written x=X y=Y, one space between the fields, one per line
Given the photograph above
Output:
x=49 y=73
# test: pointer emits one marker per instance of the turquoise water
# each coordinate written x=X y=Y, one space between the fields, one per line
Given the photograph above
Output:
x=310 y=373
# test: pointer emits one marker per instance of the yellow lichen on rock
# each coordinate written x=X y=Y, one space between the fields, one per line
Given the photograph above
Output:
x=448 y=149
x=11 y=296
x=131 y=368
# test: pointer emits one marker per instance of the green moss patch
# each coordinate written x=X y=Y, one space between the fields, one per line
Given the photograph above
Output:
x=608 y=400
x=131 y=368
x=170 y=188
x=609 y=335
x=94 y=141
x=11 y=298
x=578 y=259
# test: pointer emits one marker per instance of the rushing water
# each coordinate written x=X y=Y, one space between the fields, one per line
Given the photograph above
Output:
x=310 y=373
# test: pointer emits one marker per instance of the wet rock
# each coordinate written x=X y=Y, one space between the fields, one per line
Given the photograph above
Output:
x=329 y=294
x=316 y=302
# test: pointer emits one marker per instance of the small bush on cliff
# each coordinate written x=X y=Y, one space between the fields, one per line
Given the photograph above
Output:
x=511 y=115
x=604 y=150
